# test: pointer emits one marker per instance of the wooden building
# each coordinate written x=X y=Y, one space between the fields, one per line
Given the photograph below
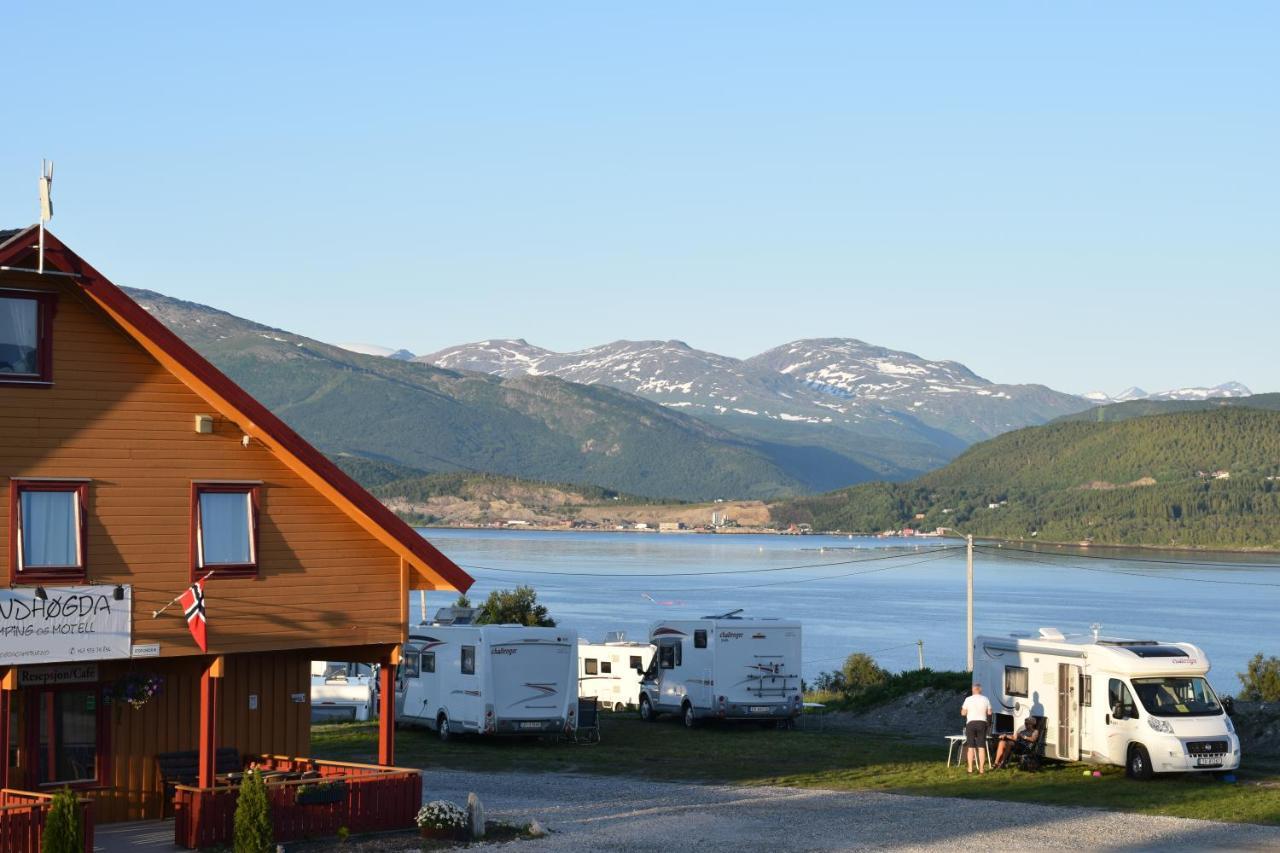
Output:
x=132 y=467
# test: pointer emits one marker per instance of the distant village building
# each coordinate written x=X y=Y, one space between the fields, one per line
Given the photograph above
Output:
x=668 y=526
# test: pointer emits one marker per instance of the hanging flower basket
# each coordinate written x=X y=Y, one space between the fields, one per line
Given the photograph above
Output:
x=135 y=689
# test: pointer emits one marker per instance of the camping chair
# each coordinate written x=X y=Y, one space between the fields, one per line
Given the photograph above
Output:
x=588 y=730
x=1031 y=759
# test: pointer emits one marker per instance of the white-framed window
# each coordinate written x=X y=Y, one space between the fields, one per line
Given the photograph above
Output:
x=49 y=539
x=224 y=520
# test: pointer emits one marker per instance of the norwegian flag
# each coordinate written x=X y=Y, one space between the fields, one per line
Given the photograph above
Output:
x=192 y=602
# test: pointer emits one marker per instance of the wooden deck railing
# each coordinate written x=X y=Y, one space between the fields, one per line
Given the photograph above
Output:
x=373 y=799
x=22 y=817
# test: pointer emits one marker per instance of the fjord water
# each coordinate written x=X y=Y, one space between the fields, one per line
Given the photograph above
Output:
x=901 y=594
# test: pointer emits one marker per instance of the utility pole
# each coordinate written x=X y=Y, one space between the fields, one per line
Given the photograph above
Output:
x=969 y=595
x=920 y=652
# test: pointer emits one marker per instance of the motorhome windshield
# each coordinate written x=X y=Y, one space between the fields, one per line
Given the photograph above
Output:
x=1177 y=696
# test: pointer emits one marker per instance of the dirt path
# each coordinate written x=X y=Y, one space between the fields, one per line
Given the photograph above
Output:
x=599 y=813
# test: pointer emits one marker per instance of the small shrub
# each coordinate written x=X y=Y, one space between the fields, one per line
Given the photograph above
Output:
x=253 y=830
x=860 y=671
x=1261 y=679
x=62 y=831
x=343 y=834
x=828 y=682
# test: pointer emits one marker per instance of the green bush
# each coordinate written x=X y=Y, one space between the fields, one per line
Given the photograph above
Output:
x=892 y=687
x=253 y=829
x=1261 y=679
x=62 y=831
x=514 y=607
x=860 y=671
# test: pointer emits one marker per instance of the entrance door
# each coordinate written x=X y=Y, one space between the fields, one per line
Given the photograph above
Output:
x=65 y=735
x=1068 y=711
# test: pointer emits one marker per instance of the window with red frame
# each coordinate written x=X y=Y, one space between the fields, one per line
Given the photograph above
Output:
x=224 y=536
x=26 y=337
x=47 y=540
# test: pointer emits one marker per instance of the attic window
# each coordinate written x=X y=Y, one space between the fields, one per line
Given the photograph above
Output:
x=26 y=337
x=224 y=530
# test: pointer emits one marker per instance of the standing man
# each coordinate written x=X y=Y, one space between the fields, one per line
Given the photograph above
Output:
x=977 y=716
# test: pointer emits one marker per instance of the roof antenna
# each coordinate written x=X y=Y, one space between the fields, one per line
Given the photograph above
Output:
x=46 y=205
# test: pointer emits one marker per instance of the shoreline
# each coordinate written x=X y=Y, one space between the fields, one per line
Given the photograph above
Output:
x=761 y=531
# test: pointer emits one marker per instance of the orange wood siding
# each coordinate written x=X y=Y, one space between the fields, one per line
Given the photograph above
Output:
x=116 y=416
x=169 y=723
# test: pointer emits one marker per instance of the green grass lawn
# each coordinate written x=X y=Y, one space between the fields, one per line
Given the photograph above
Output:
x=840 y=760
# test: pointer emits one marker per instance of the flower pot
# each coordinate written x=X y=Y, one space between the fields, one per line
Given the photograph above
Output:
x=444 y=833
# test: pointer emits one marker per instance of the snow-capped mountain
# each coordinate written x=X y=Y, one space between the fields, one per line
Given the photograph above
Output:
x=373 y=349
x=839 y=382
x=1226 y=389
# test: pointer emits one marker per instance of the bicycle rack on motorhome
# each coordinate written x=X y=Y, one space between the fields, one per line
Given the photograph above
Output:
x=726 y=667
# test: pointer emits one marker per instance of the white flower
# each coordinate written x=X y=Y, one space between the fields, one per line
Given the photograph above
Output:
x=441 y=814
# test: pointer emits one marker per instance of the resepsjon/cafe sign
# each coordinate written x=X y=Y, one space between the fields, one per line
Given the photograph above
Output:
x=71 y=623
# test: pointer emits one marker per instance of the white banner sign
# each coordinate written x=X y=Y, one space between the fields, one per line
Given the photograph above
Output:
x=72 y=623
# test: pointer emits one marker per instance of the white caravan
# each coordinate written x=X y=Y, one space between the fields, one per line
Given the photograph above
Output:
x=724 y=667
x=488 y=679
x=1141 y=704
x=342 y=691
x=611 y=671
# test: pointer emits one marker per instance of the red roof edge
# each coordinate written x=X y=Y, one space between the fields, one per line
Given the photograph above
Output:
x=100 y=288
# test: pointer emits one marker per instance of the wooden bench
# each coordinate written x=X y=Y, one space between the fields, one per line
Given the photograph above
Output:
x=183 y=768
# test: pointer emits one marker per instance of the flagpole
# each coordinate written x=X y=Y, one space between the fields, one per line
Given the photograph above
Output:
x=155 y=613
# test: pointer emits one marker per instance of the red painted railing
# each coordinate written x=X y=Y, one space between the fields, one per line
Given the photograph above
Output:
x=374 y=799
x=22 y=817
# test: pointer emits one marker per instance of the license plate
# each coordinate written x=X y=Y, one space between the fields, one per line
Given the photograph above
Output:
x=759 y=709
x=531 y=725
x=1208 y=762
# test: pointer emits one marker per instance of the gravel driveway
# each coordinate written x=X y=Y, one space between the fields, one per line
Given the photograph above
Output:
x=603 y=813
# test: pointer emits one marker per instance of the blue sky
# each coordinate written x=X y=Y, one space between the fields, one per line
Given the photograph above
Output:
x=1082 y=194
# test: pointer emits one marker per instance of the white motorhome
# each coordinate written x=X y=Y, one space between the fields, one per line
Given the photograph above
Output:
x=1144 y=705
x=611 y=671
x=342 y=691
x=488 y=679
x=724 y=667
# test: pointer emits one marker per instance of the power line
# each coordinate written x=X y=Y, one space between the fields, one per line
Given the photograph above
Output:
x=1002 y=552
x=1210 y=564
x=872 y=652
x=793 y=581
x=480 y=568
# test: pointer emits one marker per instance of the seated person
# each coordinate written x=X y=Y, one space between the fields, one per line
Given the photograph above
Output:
x=1019 y=743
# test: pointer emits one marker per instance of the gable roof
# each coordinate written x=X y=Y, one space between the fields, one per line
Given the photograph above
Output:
x=434 y=569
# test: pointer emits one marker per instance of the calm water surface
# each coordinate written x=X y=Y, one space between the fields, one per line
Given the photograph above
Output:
x=882 y=606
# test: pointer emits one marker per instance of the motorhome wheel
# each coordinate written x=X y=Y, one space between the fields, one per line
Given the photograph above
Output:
x=689 y=719
x=1139 y=766
x=646 y=710
x=442 y=727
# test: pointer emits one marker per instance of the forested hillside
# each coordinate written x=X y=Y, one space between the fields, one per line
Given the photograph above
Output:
x=1203 y=479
